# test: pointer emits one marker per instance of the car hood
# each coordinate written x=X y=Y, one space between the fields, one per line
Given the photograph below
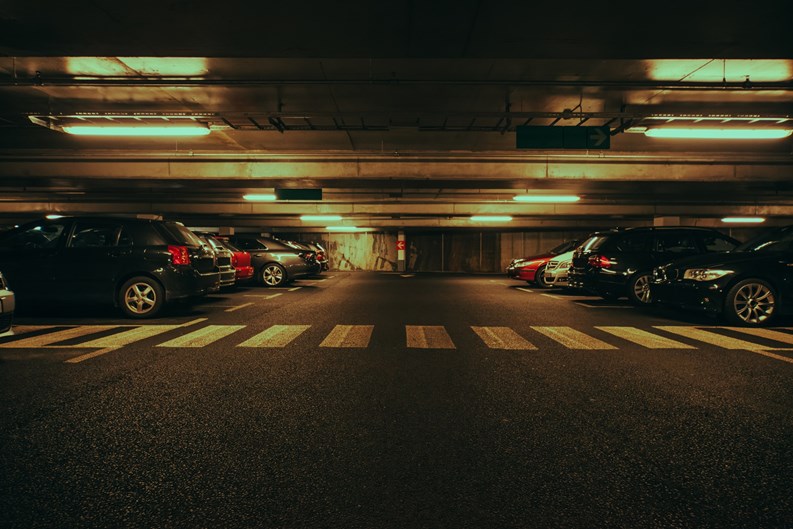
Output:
x=723 y=259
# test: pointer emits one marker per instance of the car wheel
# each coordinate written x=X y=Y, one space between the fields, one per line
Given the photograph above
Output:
x=539 y=278
x=141 y=297
x=751 y=303
x=639 y=290
x=273 y=275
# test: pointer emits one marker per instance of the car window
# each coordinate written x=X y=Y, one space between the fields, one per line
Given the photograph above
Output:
x=124 y=238
x=142 y=234
x=717 y=243
x=228 y=245
x=181 y=234
x=250 y=244
x=93 y=235
x=780 y=240
x=564 y=247
x=676 y=242
x=38 y=236
x=635 y=242
x=593 y=243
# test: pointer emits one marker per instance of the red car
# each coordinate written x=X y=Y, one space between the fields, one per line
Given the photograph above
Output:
x=240 y=260
x=532 y=269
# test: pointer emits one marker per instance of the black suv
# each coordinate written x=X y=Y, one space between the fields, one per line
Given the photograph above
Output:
x=135 y=264
x=620 y=263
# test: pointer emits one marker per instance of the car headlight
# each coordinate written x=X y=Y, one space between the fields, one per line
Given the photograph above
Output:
x=705 y=274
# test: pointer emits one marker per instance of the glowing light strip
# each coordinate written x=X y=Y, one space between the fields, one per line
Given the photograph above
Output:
x=490 y=218
x=540 y=199
x=718 y=134
x=138 y=130
x=259 y=198
x=753 y=220
x=346 y=228
x=320 y=218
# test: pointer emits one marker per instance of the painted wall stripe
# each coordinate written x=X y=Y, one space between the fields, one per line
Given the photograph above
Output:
x=130 y=336
x=644 y=338
x=726 y=342
x=275 y=336
x=502 y=338
x=769 y=334
x=428 y=337
x=202 y=337
x=43 y=340
x=572 y=339
x=348 y=336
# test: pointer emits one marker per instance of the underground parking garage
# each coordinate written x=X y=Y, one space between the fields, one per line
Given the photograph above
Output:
x=496 y=276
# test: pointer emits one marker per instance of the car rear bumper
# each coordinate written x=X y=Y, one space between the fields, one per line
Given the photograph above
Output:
x=186 y=282
x=243 y=273
x=228 y=277
x=596 y=282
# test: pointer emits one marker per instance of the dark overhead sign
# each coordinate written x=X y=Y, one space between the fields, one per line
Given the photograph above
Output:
x=563 y=137
x=298 y=194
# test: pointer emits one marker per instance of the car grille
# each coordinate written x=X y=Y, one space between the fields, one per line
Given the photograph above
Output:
x=552 y=265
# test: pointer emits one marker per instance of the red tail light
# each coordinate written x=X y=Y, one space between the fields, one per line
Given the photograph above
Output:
x=599 y=261
x=179 y=255
x=234 y=260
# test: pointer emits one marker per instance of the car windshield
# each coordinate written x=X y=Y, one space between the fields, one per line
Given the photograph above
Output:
x=564 y=247
x=593 y=243
x=777 y=241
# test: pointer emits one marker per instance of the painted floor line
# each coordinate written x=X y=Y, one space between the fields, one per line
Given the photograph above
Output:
x=263 y=296
x=428 y=337
x=502 y=338
x=573 y=339
x=602 y=306
x=238 y=307
x=525 y=289
x=294 y=288
x=44 y=340
x=87 y=356
x=357 y=336
x=644 y=338
x=552 y=296
x=202 y=337
x=712 y=338
x=275 y=336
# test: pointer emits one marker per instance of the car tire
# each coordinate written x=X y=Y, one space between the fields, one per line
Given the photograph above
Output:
x=639 y=289
x=750 y=303
x=539 y=278
x=141 y=297
x=272 y=275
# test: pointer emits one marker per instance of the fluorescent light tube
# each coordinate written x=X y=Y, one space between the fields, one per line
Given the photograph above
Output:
x=137 y=130
x=259 y=198
x=345 y=228
x=53 y=216
x=491 y=218
x=718 y=134
x=748 y=220
x=545 y=199
x=320 y=218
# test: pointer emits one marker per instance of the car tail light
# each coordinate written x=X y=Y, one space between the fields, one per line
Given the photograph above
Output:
x=234 y=260
x=320 y=256
x=179 y=255
x=599 y=261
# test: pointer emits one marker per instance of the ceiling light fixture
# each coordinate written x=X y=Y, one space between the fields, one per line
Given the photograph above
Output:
x=345 y=228
x=717 y=134
x=741 y=220
x=137 y=130
x=320 y=218
x=491 y=218
x=53 y=216
x=546 y=199
x=259 y=198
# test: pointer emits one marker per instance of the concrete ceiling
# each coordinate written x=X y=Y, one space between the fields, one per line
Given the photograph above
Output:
x=404 y=113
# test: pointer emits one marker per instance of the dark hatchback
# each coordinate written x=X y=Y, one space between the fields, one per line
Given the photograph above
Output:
x=275 y=263
x=749 y=286
x=135 y=264
x=618 y=263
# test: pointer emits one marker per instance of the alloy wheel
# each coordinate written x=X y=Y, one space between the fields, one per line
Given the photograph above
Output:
x=273 y=275
x=140 y=298
x=641 y=289
x=754 y=303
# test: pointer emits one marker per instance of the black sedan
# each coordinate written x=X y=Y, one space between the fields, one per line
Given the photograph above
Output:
x=749 y=286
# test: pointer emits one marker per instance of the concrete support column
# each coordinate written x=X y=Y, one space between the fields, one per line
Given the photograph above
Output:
x=666 y=221
x=401 y=251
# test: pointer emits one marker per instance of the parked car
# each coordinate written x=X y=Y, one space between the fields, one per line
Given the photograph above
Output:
x=303 y=247
x=136 y=264
x=321 y=254
x=240 y=260
x=556 y=271
x=275 y=263
x=750 y=286
x=620 y=263
x=7 y=305
x=532 y=269
x=223 y=256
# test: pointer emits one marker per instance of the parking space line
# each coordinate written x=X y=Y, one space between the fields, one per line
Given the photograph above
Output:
x=502 y=338
x=263 y=296
x=428 y=337
x=525 y=289
x=202 y=337
x=588 y=306
x=644 y=338
x=294 y=288
x=58 y=336
x=238 y=307
x=552 y=296
x=275 y=336
x=349 y=336
x=572 y=339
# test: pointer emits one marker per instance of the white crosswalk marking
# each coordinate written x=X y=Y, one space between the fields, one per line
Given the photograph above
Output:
x=202 y=337
x=349 y=336
x=130 y=336
x=44 y=340
x=726 y=342
x=770 y=334
x=644 y=338
x=572 y=339
x=275 y=336
x=428 y=337
x=502 y=338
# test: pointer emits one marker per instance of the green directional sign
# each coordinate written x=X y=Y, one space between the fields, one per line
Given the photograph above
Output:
x=563 y=137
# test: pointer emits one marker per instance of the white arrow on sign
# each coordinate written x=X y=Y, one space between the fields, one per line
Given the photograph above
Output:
x=599 y=136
